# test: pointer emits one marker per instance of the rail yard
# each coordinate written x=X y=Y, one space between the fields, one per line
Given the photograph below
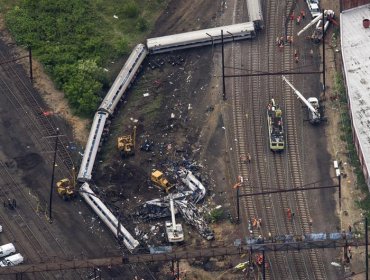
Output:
x=191 y=140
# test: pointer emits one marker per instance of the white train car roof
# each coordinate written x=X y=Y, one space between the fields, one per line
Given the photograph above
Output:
x=254 y=10
x=204 y=34
x=92 y=146
x=107 y=217
x=124 y=78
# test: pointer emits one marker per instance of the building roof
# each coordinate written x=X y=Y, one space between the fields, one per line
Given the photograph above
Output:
x=355 y=40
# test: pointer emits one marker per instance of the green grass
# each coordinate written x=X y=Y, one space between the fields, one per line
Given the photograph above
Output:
x=76 y=39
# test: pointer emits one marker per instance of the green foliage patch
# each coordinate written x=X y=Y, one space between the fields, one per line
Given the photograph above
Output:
x=215 y=215
x=75 y=39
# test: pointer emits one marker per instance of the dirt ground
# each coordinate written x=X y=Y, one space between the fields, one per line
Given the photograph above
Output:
x=182 y=116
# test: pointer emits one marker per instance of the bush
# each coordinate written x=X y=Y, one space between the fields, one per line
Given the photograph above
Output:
x=215 y=215
x=75 y=39
x=142 y=24
x=131 y=10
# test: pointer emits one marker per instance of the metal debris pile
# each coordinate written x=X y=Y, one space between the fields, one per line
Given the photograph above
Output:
x=184 y=202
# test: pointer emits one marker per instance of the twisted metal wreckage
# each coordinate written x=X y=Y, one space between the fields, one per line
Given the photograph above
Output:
x=184 y=202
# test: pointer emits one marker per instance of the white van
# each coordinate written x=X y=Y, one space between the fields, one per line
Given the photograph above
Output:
x=314 y=8
x=12 y=260
x=6 y=250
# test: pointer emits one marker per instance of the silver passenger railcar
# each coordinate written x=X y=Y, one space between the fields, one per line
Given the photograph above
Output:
x=107 y=217
x=92 y=146
x=255 y=13
x=124 y=79
x=201 y=37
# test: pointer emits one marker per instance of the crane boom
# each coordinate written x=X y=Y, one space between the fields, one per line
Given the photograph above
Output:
x=316 y=19
x=172 y=214
x=174 y=231
x=304 y=100
x=327 y=13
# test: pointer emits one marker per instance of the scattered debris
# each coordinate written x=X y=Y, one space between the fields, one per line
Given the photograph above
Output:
x=147 y=145
x=193 y=217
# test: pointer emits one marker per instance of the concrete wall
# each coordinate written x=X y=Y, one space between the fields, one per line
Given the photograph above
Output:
x=348 y=4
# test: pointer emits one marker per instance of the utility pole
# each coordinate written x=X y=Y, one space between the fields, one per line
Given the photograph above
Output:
x=337 y=173
x=237 y=205
x=340 y=190
x=52 y=176
x=323 y=51
x=223 y=66
x=30 y=60
x=366 y=250
x=263 y=265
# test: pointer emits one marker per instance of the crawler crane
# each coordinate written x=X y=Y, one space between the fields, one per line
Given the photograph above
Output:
x=174 y=231
x=312 y=104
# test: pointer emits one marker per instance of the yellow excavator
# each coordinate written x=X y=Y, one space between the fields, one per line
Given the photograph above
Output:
x=126 y=144
x=158 y=179
x=66 y=189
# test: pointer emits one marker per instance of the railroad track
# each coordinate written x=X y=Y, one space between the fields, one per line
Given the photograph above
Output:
x=262 y=59
x=313 y=262
x=280 y=170
x=35 y=231
x=239 y=118
x=41 y=126
x=267 y=169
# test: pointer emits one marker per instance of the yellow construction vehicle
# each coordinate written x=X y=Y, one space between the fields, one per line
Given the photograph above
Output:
x=158 y=179
x=65 y=189
x=126 y=144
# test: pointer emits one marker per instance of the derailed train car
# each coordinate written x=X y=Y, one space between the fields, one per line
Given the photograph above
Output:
x=123 y=82
x=107 y=217
x=92 y=146
x=255 y=14
x=203 y=37
x=107 y=107
x=124 y=79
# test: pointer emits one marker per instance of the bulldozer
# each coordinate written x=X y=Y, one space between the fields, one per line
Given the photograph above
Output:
x=126 y=144
x=66 y=189
x=158 y=179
